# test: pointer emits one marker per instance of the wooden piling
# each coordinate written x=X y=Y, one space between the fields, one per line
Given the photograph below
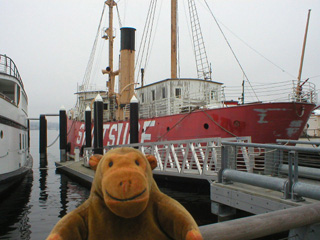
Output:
x=98 y=125
x=88 y=126
x=63 y=134
x=43 y=141
x=134 y=120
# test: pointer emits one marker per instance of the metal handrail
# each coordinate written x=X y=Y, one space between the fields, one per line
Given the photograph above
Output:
x=287 y=141
x=291 y=186
x=263 y=224
x=7 y=66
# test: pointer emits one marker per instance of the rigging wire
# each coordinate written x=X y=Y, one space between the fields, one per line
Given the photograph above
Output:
x=119 y=18
x=188 y=25
x=156 y=27
x=98 y=60
x=146 y=37
x=86 y=78
x=315 y=76
x=148 y=52
x=143 y=38
x=256 y=51
x=233 y=53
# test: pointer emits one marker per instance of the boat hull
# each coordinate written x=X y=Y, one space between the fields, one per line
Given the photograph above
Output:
x=15 y=160
x=263 y=122
x=8 y=180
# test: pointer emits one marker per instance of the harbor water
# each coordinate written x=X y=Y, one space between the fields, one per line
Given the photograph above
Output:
x=35 y=205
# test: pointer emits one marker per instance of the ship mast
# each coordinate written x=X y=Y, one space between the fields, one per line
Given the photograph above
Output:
x=298 y=89
x=173 y=38
x=110 y=37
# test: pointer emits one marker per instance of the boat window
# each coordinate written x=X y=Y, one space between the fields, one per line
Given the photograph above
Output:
x=20 y=142
x=105 y=106
x=7 y=90
x=153 y=95
x=213 y=95
x=178 y=92
x=164 y=92
x=18 y=94
x=142 y=97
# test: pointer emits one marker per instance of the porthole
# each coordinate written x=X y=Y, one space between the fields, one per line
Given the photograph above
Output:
x=206 y=126
x=1 y=134
x=236 y=123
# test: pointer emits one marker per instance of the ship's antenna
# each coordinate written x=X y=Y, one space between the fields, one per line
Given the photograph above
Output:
x=298 y=89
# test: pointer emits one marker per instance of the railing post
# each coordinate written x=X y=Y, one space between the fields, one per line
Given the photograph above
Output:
x=294 y=196
x=288 y=189
x=224 y=163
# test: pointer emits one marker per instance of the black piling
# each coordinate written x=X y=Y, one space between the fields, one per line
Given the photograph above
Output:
x=43 y=141
x=134 y=120
x=88 y=126
x=63 y=134
x=98 y=125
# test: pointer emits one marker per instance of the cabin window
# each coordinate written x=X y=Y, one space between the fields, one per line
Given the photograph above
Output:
x=142 y=97
x=153 y=95
x=105 y=106
x=213 y=95
x=18 y=94
x=178 y=93
x=164 y=92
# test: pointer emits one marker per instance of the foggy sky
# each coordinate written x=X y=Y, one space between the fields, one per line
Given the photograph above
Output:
x=50 y=41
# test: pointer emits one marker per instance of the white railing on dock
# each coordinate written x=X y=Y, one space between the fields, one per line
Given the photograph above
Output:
x=195 y=158
x=268 y=166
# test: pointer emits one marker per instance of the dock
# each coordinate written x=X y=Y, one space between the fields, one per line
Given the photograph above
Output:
x=256 y=178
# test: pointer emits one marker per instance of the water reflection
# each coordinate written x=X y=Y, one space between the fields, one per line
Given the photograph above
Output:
x=63 y=195
x=15 y=210
x=44 y=197
x=43 y=184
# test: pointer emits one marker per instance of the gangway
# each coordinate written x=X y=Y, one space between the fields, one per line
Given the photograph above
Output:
x=263 y=179
x=194 y=158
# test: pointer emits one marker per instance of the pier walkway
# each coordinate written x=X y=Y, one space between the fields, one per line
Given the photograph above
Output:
x=256 y=178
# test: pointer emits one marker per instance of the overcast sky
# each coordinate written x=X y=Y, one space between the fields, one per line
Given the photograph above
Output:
x=51 y=41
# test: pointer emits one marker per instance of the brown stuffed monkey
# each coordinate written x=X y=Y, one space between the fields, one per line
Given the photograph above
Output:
x=126 y=203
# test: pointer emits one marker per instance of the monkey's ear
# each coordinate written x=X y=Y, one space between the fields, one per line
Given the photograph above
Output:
x=152 y=161
x=94 y=160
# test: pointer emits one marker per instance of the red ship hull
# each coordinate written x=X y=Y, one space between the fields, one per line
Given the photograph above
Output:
x=263 y=122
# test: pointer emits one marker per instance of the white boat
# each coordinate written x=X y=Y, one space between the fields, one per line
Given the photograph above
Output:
x=15 y=159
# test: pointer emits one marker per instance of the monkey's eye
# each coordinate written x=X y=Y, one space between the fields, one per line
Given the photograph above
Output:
x=110 y=164
x=137 y=162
